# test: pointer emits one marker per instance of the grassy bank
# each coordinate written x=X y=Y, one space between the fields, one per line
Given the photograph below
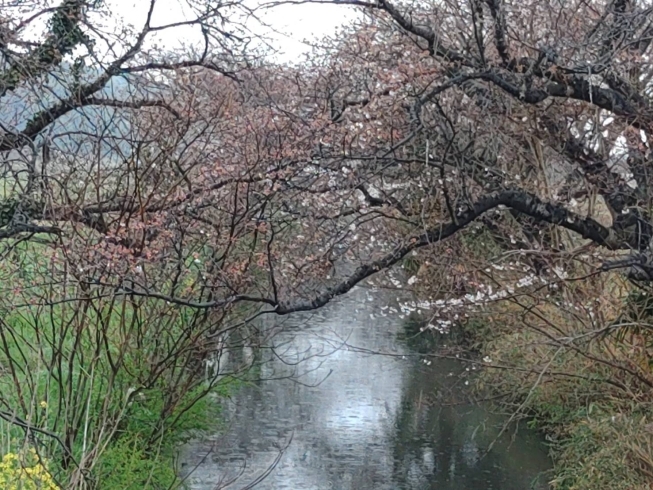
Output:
x=71 y=413
x=568 y=351
x=582 y=376
x=97 y=390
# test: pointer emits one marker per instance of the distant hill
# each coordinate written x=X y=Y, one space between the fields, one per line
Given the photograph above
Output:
x=75 y=130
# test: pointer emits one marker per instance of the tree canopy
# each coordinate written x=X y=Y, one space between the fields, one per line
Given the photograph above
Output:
x=212 y=180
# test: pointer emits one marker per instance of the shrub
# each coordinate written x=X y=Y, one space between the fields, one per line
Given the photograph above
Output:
x=25 y=470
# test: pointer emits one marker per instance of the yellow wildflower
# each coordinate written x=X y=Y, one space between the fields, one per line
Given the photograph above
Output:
x=25 y=471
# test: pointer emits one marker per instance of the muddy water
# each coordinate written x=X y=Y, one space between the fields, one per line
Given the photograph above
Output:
x=351 y=419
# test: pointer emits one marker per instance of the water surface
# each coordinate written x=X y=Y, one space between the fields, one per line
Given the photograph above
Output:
x=351 y=419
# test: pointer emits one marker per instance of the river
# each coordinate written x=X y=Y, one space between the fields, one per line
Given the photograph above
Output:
x=351 y=419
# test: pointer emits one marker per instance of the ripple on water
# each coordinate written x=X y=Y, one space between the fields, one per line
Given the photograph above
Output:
x=366 y=426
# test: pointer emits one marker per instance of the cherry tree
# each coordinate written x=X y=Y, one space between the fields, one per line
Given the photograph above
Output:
x=186 y=193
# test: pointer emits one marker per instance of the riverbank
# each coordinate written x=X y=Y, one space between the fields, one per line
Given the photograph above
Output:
x=563 y=348
x=574 y=362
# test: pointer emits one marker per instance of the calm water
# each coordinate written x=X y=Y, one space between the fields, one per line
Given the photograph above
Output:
x=354 y=420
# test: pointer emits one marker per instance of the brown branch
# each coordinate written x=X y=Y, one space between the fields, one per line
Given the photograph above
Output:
x=518 y=200
x=577 y=88
x=131 y=104
x=83 y=95
x=17 y=229
x=435 y=44
x=179 y=65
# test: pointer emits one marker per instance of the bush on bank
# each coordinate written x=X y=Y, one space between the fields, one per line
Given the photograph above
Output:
x=97 y=390
x=567 y=350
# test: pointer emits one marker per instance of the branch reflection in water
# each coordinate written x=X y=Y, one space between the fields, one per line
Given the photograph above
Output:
x=342 y=418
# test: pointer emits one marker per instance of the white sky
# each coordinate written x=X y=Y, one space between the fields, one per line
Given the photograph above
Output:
x=298 y=22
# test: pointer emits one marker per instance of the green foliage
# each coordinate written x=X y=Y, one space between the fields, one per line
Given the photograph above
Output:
x=604 y=450
x=411 y=265
x=638 y=307
x=480 y=243
x=25 y=470
x=413 y=334
x=599 y=439
x=195 y=413
x=81 y=368
x=126 y=465
x=66 y=33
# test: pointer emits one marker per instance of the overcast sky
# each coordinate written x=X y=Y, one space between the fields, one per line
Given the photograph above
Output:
x=298 y=22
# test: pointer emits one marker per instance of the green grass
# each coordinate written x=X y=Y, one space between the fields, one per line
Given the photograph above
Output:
x=98 y=373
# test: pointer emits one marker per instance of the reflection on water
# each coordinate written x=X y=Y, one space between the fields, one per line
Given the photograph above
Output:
x=371 y=424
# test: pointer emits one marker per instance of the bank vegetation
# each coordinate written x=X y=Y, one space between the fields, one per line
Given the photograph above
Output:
x=156 y=202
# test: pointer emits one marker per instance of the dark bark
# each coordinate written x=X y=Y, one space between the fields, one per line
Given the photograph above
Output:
x=516 y=199
x=500 y=39
x=63 y=35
